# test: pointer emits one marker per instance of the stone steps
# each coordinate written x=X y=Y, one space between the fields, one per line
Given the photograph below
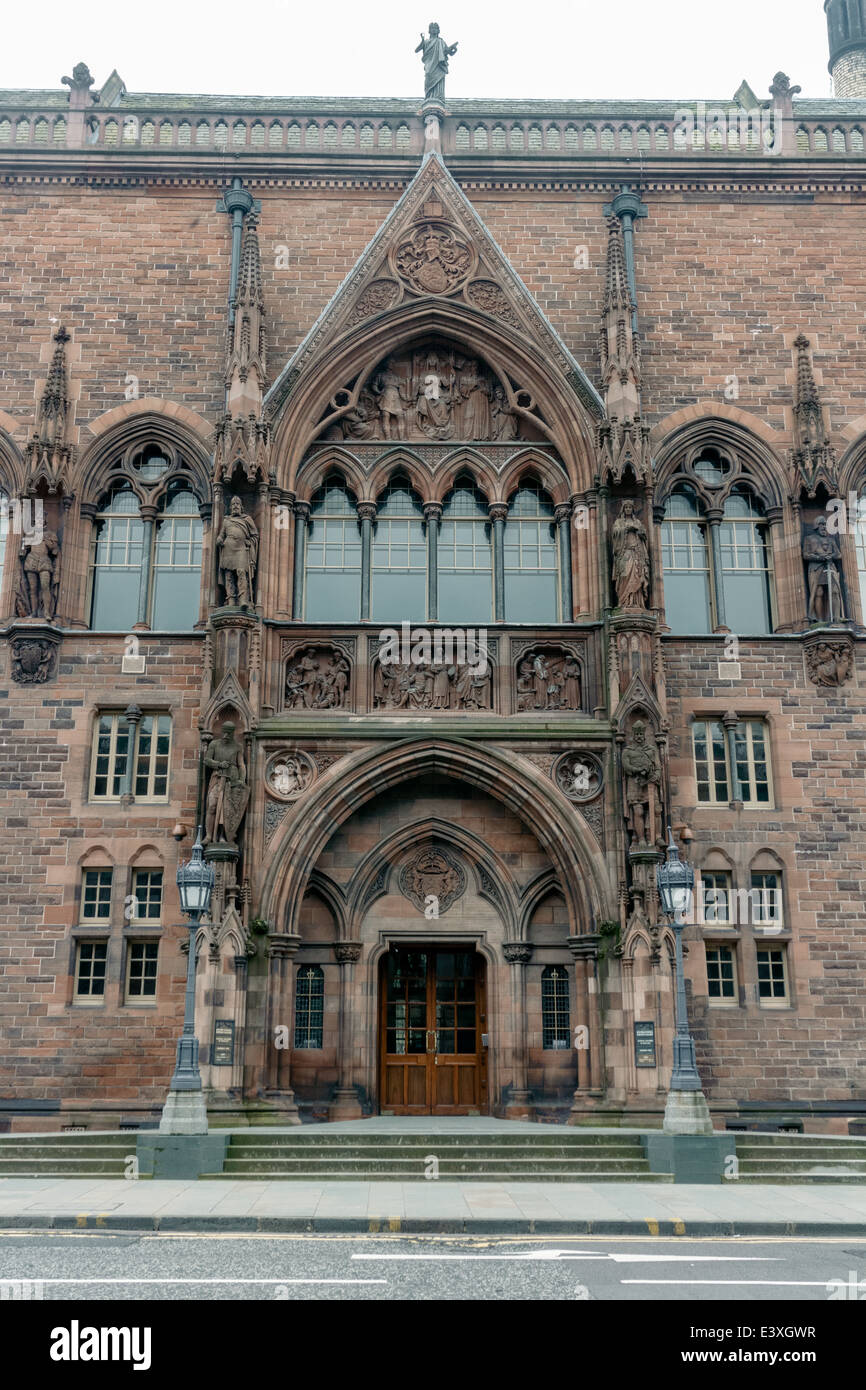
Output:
x=65 y=1155
x=784 y=1158
x=562 y=1157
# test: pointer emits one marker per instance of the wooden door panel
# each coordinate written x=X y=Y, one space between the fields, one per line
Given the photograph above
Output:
x=431 y=1019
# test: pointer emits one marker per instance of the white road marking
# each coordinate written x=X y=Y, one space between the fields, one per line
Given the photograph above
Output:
x=739 y=1283
x=6 y=1279
x=581 y=1255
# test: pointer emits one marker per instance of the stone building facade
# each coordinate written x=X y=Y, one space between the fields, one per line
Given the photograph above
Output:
x=468 y=459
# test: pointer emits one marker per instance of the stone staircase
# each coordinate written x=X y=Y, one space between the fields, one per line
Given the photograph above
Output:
x=560 y=1156
x=65 y=1155
x=787 y=1158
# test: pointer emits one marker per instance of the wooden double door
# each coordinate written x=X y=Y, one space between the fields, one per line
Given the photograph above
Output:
x=432 y=1031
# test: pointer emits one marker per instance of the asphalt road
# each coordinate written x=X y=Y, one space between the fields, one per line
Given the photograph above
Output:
x=115 y=1267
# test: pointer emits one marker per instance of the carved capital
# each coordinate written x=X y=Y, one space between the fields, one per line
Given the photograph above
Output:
x=432 y=511
x=517 y=952
x=366 y=511
x=497 y=511
x=347 y=952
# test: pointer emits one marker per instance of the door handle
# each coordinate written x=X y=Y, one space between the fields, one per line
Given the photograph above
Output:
x=431 y=1048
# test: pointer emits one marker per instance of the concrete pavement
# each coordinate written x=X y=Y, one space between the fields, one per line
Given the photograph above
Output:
x=434 y=1207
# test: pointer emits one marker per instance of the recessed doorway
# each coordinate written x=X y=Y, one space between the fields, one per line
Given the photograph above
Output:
x=432 y=1030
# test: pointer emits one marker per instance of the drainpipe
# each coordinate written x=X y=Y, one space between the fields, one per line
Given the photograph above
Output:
x=627 y=206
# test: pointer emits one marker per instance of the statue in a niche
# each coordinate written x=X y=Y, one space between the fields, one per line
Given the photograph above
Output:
x=823 y=556
x=630 y=559
x=640 y=764
x=238 y=548
x=228 y=791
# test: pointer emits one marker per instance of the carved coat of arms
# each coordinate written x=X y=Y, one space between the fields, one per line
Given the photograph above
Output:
x=432 y=873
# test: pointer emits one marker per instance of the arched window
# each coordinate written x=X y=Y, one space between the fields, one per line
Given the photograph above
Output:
x=555 y=1012
x=685 y=560
x=141 y=571
x=465 y=557
x=399 y=566
x=333 y=582
x=530 y=558
x=118 y=550
x=309 y=1007
x=746 y=566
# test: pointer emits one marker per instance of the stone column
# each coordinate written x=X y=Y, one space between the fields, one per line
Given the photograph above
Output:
x=433 y=516
x=346 y=1104
x=302 y=513
x=584 y=952
x=131 y=714
x=730 y=721
x=497 y=512
x=518 y=954
x=562 y=515
x=280 y=1013
x=148 y=519
x=240 y=1018
x=366 y=513
x=714 y=517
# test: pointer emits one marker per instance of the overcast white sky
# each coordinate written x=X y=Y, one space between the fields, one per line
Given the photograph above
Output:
x=553 y=48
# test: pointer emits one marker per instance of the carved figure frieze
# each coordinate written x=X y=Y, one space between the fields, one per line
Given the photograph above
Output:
x=548 y=680
x=317 y=678
x=435 y=393
x=433 y=873
x=237 y=546
x=429 y=685
x=288 y=774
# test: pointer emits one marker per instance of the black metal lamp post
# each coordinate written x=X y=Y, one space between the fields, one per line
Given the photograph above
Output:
x=686 y=1111
x=184 y=1111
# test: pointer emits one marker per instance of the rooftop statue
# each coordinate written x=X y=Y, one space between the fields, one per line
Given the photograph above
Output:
x=435 y=53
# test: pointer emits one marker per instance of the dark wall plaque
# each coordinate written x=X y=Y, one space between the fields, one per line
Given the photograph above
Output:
x=223 y=1050
x=645 y=1045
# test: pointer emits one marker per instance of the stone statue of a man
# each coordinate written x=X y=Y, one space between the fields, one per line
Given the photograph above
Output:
x=435 y=53
x=640 y=764
x=228 y=792
x=41 y=565
x=238 y=548
x=823 y=556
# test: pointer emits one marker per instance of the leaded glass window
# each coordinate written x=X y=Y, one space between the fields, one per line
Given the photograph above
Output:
x=555 y=1008
x=176 y=580
x=309 y=1007
x=117 y=559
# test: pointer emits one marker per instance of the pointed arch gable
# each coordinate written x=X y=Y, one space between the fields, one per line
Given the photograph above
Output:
x=472 y=462
x=327 y=461
x=305 y=832
x=565 y=420
x=158 y=422
x=532 y=463
x=408 y=836
x=400 y=461
x=727 y=429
